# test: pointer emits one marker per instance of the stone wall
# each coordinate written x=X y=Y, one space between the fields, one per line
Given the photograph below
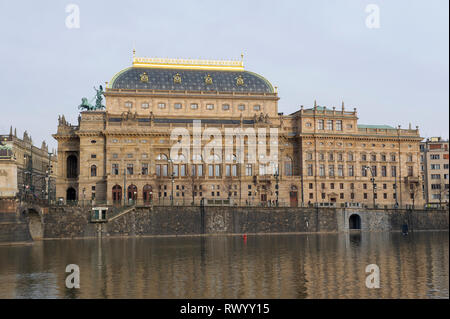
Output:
x=74 y=222
x=13 y=230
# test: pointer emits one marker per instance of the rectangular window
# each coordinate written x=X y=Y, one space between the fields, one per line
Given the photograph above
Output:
x=373 y=157
x=329 y=125
x=383 y=158
x=241 y=107
x=410 y=171
x=363 y=171
x=248 y=170
x=178 y=106
x=435 y=176
x=350 y=170
x=175 y=170
x=383 y=171
x=310 y=170
x=331 y=170
x=393 y=171
x=256 y=108
x=364 y=157
x=435 y=166
x=374 y=170
x=161 y=105
x=115 y=169
x=158 y=170
x=350 y=157
x=144 y=169
x=225 y=107
x=262 y=169
x=340 y=170
x=228 y=170
x=130 y=169
x=320 y=125
x=194 y=106
x=199 y=170
x=144 y=105
x=183 y=170
x=234 y=170
x=321 y=170
x=330 y=157
x=210 y=106
x=128 y=104
x=340 y=157
x=211 y=170
x=338 y=125
x=165 y=170
x=217 y=170
x=393 y=158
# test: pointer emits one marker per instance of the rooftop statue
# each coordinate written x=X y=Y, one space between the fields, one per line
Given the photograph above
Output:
x=99 y=98
x=86 y=105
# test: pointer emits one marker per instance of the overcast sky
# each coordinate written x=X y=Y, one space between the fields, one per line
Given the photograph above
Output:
x=395 y=74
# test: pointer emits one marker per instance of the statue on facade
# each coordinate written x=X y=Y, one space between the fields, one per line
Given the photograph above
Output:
x=87 y=106
x=99 y=98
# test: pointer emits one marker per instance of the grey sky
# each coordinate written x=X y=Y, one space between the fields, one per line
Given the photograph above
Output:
x=320 y=50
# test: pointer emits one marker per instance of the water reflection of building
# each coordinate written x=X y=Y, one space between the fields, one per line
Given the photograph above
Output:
x=285 y=266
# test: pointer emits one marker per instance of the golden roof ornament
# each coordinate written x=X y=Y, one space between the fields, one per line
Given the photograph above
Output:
x=144 y=77
x=208 y=80
x=239 y=80
x=177 y=78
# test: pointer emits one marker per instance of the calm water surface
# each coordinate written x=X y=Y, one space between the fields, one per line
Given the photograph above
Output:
x=266 y=266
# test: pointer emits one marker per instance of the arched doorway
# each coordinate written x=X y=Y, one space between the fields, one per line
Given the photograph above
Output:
x=132 y=192
x=72 y=166
x=147 y=194
x=354 y=222
x=71 y=194
x=116 y=194
x=293 y=196
x=34 y=224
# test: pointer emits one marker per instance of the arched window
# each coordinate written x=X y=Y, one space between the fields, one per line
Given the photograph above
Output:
x=93 y=170
x=117 y=193
x=161 y=168
x=288 y=166
x=132 y=192
x=72 y=166
x=147 y=194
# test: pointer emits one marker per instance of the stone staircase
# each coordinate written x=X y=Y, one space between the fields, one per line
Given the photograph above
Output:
x=116 y=213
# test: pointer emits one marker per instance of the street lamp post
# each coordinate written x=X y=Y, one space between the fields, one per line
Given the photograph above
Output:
x=172 y=179
x=373 y=183
x=276 y=175
x=171 y=195
x=395 y=189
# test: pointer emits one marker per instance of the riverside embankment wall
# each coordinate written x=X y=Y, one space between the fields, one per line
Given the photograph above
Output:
x=62 y=223
x=29 y=223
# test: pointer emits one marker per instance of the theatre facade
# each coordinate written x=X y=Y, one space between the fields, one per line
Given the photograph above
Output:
x=324 y=156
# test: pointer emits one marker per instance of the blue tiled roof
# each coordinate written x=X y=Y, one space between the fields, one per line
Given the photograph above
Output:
x=191 y=80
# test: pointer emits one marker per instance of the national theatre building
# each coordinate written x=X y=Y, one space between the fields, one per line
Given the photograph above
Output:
x=123 y=152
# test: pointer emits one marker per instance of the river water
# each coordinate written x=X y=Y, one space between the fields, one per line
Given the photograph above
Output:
x=261 y=266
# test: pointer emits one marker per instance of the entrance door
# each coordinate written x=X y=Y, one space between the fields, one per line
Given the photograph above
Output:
x=294 y=199
x=71 y=194
x=132 y=193
x=263 y=198
x=117 y=194
x=147 y=194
